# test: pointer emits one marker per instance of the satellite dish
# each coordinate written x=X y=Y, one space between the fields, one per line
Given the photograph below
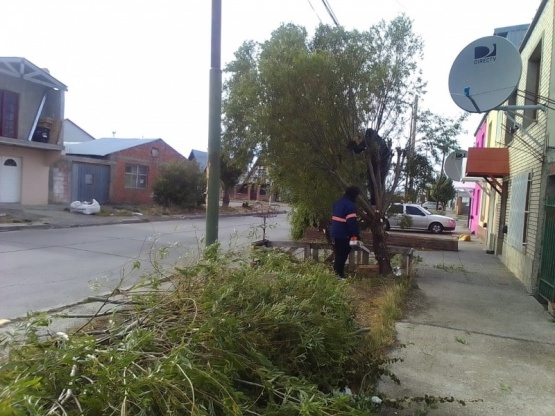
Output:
x=455 y=165
x=485 y=74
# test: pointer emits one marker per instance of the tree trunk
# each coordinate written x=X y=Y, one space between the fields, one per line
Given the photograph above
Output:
x=381 y=251
x=225 y=198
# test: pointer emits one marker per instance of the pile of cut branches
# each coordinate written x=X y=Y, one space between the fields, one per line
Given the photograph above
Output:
x=234 y=335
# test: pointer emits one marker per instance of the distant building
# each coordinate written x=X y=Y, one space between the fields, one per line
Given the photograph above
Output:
x=118 y=171
x=200 y=157
x=31 y=114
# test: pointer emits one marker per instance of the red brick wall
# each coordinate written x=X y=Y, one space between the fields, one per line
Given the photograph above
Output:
x=140 y=155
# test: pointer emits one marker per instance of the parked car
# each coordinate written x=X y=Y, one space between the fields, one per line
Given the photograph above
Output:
x=432 y=205
x=416 y=217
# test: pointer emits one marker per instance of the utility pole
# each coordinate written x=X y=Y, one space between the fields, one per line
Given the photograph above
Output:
x=214 y=127
x=411 y=148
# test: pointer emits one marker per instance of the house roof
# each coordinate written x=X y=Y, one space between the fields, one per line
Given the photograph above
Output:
x=105 y=146
x=71 y=130
x=22 y=68
x=200 y=157
x=514 y=34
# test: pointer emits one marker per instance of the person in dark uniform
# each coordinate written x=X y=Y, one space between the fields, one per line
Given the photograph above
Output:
x=344 y=226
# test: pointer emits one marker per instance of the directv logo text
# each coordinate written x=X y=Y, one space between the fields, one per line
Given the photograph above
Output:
x=484 y=54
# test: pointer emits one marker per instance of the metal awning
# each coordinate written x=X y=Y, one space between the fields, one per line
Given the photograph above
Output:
x=489 y=163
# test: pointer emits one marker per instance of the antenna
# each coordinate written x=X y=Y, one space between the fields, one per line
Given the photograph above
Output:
x=484 y=74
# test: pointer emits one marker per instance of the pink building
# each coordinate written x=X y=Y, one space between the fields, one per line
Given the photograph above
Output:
x=476 y=202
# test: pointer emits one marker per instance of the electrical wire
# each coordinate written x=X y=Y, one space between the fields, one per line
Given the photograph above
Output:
x=330 y=12
x=314 y=10
x=537 y=97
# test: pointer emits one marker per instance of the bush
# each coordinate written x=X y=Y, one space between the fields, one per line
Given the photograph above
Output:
x=301 y=217
x=236 y=336
x=180 y=184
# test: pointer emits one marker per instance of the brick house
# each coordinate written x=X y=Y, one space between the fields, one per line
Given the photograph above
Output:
x=118 y=171
x=31 y=114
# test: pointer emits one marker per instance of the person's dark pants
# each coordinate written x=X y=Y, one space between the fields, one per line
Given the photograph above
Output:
x=342 y=250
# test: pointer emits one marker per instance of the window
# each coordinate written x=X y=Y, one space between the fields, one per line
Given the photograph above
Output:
x=519 y=210
x=414 y=211
x=10 y=162
x=483 y=204
x=532 y=92
x=155 y=152
x=395 y=209
x=9 y=104
x=510 y=125
x=136 y=176
x=526 y=211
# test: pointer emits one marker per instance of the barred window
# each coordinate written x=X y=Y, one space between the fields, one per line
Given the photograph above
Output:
x=519 y=210
x=136 y=176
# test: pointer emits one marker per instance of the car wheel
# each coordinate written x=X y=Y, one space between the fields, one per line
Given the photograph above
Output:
x=386 y=225
x=436 y=228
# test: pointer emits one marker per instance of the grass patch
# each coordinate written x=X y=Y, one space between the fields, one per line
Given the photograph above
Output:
x=379 y=304
x=110 y=211
x=8 y=219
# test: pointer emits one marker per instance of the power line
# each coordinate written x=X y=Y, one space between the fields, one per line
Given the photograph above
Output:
x=314 y=10
x=330 y=12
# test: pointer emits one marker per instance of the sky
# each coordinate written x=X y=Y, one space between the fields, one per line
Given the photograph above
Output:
x=140 y=68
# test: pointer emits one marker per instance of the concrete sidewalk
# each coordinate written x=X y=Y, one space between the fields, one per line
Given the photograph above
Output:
x=474 y=333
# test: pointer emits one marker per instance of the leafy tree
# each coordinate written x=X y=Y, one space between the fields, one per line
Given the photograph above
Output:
x=421 y=175
x=443 y=190
x=180 y=184
x=307 y=103
x=229 y=175
x=440 y=136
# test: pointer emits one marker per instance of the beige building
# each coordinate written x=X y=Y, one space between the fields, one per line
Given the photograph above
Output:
x=31 y=114
x=523 y=229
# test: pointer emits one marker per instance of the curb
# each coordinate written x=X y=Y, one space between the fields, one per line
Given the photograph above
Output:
x=122 y=221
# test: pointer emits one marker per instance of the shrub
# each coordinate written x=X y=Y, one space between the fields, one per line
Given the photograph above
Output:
x=180 y=184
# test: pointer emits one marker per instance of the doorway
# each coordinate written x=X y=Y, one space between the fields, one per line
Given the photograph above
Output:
x=10 y=179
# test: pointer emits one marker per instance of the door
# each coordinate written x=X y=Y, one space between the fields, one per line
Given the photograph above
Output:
x=419 y=218
x=547 y=269
x=90 y=181
x=395 y=215
x=10 y=179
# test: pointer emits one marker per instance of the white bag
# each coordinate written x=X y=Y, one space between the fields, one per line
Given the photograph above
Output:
x=85 y=207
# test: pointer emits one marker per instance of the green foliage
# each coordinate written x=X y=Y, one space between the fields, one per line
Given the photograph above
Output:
x=440 y=135
x=179 y=184
x=443 y=190
x=302 y=216
x=405 y=222
x=230 y=173
x=420 y=173
x=299 y=101
x=236 y=335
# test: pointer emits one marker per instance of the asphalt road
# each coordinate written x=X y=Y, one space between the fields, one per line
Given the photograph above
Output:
x=45 y=269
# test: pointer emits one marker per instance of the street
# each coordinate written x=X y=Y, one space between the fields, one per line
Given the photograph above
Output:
x=45 y=269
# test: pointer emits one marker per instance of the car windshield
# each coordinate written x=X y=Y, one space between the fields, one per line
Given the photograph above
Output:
x=426 y=211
